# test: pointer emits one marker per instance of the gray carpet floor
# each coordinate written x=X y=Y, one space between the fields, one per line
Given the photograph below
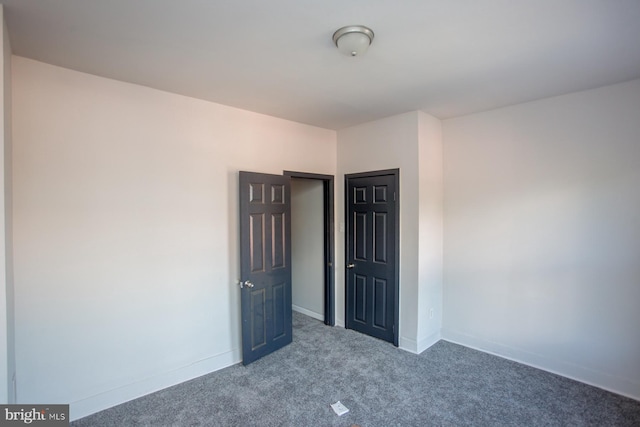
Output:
x=447 y=385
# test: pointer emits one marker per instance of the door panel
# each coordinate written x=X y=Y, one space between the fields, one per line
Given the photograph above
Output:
x=380 y=303
x=265 y=263
x=380 y=237
x=258 y=308
x=278 y=245
x=360 y=236
x=372 y=275
x=256 y=244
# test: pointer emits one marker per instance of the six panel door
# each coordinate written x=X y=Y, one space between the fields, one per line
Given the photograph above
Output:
x=371 y=283
x=265 y=263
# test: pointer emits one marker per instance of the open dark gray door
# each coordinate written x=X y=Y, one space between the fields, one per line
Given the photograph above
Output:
x=265 y=263
x=372 y=254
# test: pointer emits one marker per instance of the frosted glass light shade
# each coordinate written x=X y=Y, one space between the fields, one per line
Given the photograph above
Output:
x=353 y=40
x=353 y=44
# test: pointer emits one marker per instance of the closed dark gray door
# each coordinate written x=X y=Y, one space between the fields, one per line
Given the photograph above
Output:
x=371 y=275
x=265 y=263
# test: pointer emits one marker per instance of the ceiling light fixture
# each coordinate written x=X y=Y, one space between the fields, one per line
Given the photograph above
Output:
x=353 y=40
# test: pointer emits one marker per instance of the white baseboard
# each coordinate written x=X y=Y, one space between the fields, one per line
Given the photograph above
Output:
x=308 y=312
x=417 y=347
x=408 y=344
x=582 y=374
x=427 y=342
x=110 y=398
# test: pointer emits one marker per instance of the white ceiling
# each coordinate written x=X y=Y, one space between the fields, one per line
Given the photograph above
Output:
x=447 y=58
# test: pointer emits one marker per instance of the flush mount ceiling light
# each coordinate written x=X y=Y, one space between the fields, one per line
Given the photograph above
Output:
x=353 y=40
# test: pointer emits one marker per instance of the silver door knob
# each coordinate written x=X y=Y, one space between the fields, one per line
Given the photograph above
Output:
x=246 y=284
x=350 y=265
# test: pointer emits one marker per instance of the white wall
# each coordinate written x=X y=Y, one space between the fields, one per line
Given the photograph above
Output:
x=542 y=234
x=307 y=247
x=430 y=259
x=7 y=350
x=126 y=232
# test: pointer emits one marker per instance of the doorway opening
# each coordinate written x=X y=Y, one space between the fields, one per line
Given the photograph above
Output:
x=313 y=245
